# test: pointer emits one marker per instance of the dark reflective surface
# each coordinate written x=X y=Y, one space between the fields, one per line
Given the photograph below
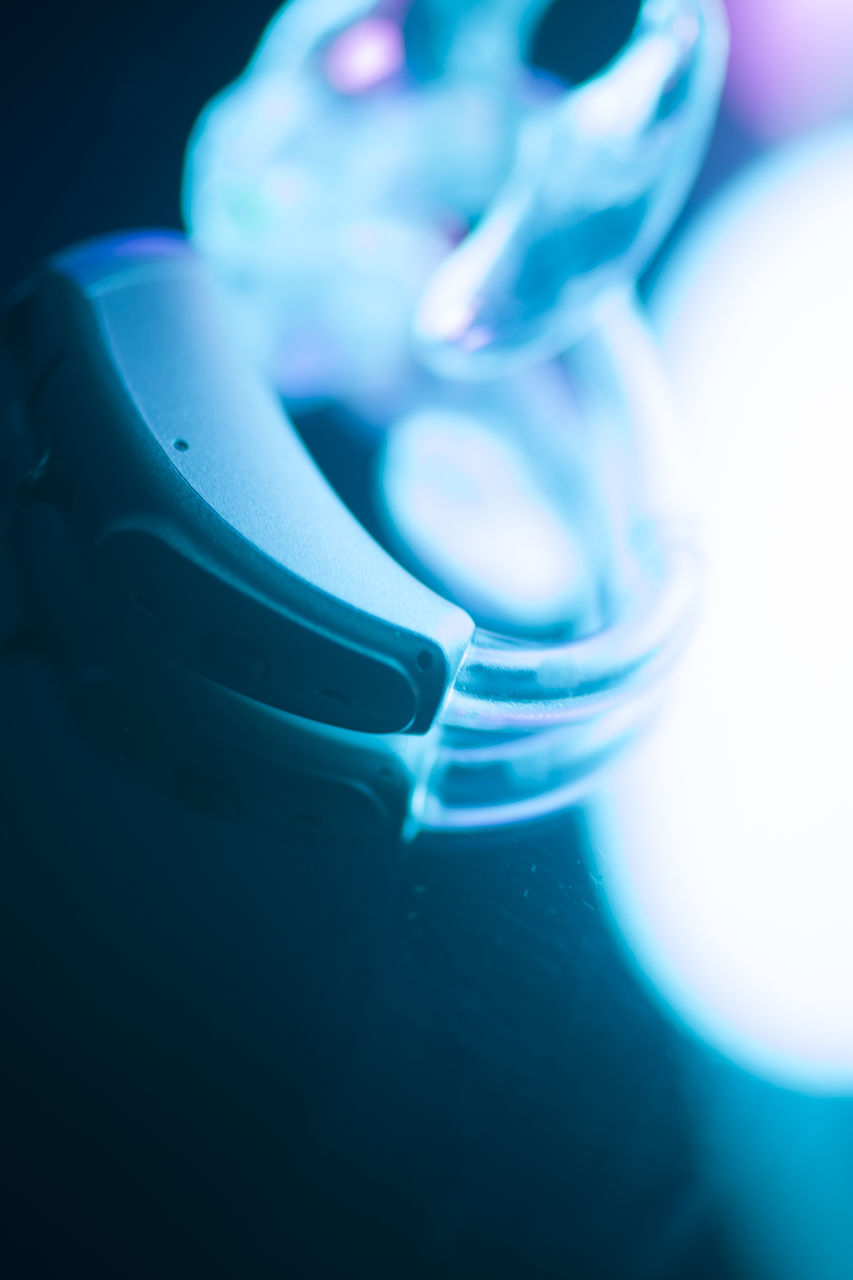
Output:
x=240 y=1051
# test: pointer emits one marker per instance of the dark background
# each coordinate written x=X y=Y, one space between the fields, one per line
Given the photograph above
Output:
x=231 y=1053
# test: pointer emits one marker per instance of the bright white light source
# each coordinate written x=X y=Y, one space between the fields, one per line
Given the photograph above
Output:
x=728 y=853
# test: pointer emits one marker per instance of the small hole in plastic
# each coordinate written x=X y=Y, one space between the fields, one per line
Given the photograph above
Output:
x=181 y=446
x=424 y=659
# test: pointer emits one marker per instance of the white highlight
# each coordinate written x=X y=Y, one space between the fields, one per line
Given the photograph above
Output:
x=728 y=854
x=463 y=499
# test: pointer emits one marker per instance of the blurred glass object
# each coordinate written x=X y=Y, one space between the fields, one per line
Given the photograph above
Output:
x=393 y=169
x=781 y=1163
x=791 y=63
x=538 y=711
x=442 y=243
x=728 y=852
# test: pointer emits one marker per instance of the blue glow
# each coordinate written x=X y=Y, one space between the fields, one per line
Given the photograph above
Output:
x=728 y=852
x=598 y=177
x=334 y=184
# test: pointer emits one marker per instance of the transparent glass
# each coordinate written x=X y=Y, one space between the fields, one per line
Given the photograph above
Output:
x=423 y=230
x=528 y=724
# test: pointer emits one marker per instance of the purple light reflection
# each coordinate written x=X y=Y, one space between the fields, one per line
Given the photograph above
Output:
x=790 y=65
x=365 y=55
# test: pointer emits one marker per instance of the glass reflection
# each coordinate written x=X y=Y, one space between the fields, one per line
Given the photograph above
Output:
x=390 y=170
x=790 y=63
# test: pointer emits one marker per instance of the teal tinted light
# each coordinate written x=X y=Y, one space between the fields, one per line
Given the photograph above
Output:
x=421 y=231
x=389 y=172
x=448 y=482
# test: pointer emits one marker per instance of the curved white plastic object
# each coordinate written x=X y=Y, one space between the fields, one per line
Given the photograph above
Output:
x=210 y=534
x=327 y=187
